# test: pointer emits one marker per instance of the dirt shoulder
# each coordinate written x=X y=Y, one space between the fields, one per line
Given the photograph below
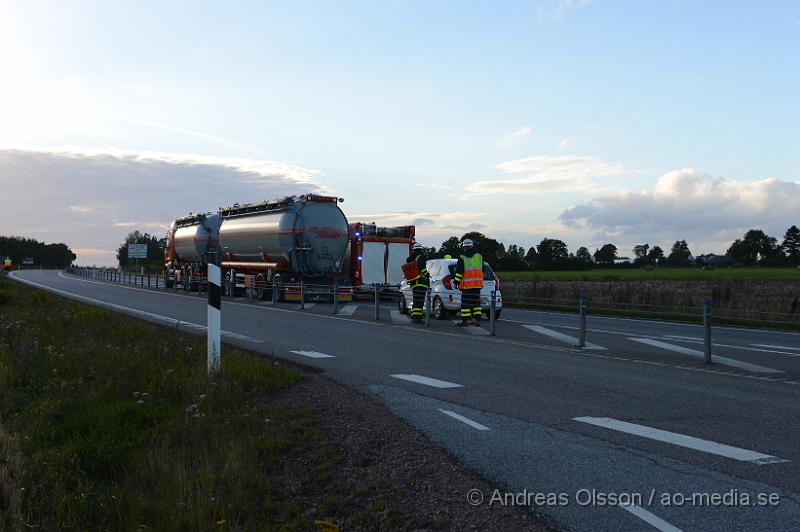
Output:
x=395 y=470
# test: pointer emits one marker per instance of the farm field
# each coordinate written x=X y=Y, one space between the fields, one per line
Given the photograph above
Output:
x=666 y=273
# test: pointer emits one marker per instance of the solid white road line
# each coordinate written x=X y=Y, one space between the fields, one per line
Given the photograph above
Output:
x=428 y=381
x=312 y=354
x=650 y=518
x=398 y=318
x=463 y=419
x=699 y=354
x=347 y=310
x=690 y=442
x=561 y=337
x=777 y=346
x=135 y=312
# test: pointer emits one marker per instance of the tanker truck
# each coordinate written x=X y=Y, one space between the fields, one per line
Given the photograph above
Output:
x=261 y=245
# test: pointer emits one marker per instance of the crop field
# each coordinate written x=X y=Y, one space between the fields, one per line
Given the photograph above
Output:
x=640 y=274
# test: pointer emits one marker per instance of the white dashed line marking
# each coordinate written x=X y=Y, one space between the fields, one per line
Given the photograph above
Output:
x=463 y=419
x=690 y=442
x=312 y=354
x=561 y=337
x=699 y=354
x=428 y=381
x=650 y=518
x=347 y=310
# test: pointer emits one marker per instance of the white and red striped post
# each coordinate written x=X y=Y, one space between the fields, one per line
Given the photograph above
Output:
x=214 y=304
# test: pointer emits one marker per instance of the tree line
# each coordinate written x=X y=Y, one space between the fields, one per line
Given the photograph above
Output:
x=155 y=253
x=755 y=248
x=18 y=248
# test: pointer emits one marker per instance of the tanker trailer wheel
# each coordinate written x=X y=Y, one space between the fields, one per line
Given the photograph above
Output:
x=226 y=285
x=261 y=287
x=277 y=285
x=186 y=275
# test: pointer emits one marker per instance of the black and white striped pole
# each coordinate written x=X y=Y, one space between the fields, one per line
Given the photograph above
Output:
x=214 y=294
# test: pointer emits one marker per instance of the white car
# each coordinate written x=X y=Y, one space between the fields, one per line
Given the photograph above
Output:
x=446 y=299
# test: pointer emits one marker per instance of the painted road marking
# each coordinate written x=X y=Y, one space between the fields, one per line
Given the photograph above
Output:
x=398 y=318
x=740 y=347
x=347 y=310
x=312 y=354
x=650 y=518
x=699 y=354
x=135 y=312
x=428 y=381
x=472 y=329
x=777 y=346
x=561 y=337
x=463 y=419
x=690 y=442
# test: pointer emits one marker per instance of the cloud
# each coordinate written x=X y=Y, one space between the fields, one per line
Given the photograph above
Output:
x=558 y=9
x=688 y=204
x=90 y=198
x=547 y=173
x=423 y=221
x=514 y=137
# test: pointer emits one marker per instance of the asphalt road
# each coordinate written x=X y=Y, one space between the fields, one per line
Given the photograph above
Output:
x=635 y=433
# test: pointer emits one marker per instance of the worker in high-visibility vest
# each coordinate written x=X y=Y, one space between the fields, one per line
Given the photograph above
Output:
x=416 y=274
x=469 y=279
x=7 y=263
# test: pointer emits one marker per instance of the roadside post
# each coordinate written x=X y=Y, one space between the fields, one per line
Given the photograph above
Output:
x=493 y=313
x=335 y=298
x=302 y=295
x=582 y=310
x=377 y=302
x=428 y=307
x=214 y=331
x=707 y=306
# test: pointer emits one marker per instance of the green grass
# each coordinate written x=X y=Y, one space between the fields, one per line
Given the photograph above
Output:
x=109 y=423
x=640 y=274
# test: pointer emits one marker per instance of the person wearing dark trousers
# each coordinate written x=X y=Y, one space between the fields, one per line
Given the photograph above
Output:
x=418 y=278
x=469 y=279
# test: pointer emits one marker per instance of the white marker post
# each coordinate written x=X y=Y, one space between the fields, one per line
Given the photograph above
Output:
x=213 y=319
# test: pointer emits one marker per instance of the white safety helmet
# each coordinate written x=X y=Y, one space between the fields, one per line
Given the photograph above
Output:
x=467 y=243
x=417 y=245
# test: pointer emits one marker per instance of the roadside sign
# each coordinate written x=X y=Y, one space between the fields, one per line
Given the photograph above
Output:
x=7 y=262
x=27 y=261
x=137 y=251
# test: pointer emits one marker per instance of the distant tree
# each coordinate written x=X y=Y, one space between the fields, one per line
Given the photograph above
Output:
x=755 y=247
x=679 y=255
x=451 y=246
x=489 y=248
x=582 y=254
x=606 y=254
x=552 y=254
x=791 y=245
x=47 y=255
x=531 y=256
x=640 y=252
x=655 y=255
x=513 y=260
x=429 y=253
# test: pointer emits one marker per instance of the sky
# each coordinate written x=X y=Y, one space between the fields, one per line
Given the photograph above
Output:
x=588 y=121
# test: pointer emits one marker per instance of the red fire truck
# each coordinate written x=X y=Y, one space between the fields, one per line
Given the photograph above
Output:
x=376 y=254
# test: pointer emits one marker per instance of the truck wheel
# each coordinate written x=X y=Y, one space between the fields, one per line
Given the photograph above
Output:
x=439 y=311
x=403 y=308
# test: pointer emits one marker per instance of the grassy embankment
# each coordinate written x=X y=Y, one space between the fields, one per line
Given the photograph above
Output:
x=664 y=273
x=109 y=423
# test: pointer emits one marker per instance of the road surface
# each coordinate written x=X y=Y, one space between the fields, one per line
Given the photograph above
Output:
x=634 y=432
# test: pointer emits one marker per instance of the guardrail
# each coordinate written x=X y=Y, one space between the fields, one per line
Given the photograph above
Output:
x=244 y=286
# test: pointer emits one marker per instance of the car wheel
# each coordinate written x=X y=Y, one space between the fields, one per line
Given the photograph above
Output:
x=439 y=311
x=403 y=308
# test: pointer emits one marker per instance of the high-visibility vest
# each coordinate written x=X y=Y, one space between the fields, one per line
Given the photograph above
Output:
x=473 y=272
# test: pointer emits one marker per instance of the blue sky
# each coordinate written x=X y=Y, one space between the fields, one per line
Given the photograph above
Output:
x=592 y=121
